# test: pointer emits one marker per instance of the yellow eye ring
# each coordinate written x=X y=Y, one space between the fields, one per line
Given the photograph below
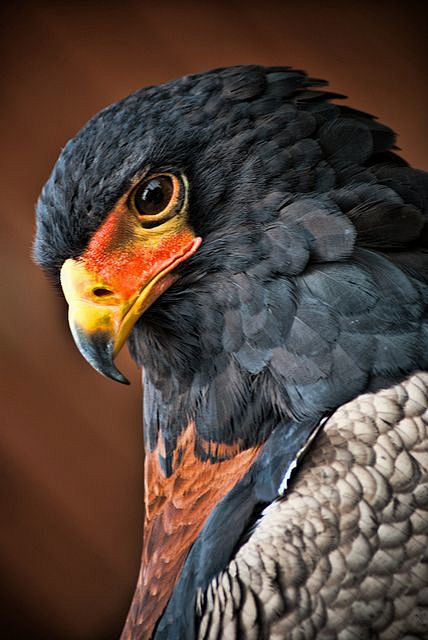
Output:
x=157 y=198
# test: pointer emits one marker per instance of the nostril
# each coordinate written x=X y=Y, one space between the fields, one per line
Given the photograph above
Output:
x=100 y=292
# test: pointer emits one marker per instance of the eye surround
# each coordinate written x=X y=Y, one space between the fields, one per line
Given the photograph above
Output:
x=157 y=198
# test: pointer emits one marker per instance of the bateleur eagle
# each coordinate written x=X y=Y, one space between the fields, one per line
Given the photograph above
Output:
x=264 y=253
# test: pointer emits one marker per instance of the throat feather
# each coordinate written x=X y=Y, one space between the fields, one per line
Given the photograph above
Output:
x=176 y=508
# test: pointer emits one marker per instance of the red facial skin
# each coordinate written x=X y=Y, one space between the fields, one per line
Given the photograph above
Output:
x=126 y=257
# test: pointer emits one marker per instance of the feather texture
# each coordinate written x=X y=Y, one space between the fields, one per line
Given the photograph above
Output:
x=309 y=289
x=344 y=554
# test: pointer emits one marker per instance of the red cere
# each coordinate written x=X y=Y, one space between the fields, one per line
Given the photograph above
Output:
x=125 y=262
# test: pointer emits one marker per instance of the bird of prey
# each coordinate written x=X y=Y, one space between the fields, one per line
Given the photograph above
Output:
x=263 y=250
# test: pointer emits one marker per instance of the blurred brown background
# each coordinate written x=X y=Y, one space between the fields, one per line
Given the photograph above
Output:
x=70 y=441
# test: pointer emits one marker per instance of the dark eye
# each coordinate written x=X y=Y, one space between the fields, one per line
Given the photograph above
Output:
x=153 y=195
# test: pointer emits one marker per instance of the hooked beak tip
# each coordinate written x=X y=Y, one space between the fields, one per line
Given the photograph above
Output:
x=114 y=374
x=97 y=349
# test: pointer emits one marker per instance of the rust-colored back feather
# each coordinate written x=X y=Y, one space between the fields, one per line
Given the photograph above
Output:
x=176 y=508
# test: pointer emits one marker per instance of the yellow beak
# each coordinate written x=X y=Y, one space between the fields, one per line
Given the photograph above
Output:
x=101 y=316
x=96 y=317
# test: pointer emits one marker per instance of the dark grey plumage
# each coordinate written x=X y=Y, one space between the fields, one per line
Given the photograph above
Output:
x=310 y=286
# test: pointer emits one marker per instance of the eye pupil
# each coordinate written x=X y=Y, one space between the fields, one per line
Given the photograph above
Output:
x=153 y=195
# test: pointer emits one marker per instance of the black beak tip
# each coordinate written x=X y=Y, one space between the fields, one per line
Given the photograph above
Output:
x=112 y=372
x=115 y=374
x=98 y=352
